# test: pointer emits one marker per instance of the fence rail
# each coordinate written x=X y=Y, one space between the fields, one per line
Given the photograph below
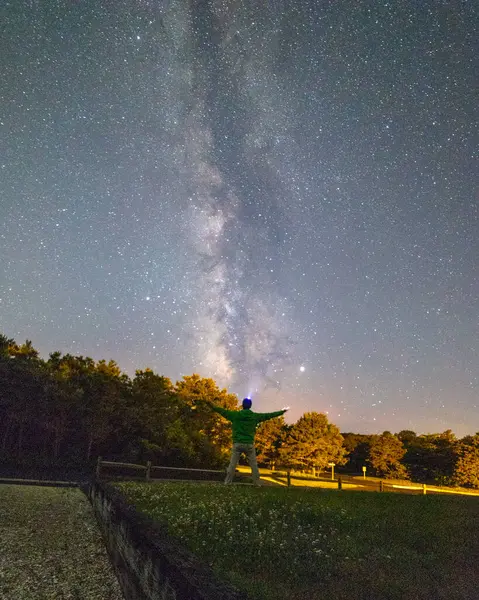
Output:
x=289 y=478
x=109 y=463
x=352 y=483
x=101 y=465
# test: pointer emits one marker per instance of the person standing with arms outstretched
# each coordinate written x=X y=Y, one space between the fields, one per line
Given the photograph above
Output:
x=244 y=423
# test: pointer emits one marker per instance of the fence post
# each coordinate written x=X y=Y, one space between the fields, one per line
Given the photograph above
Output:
x=148 y=470
x=288 y=477
x=98 y=467
x=381 y=486
x=340 y=483
x=424 y=488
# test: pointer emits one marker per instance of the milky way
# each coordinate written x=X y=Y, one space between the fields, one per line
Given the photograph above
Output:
x=279 y=195
x=237 y=196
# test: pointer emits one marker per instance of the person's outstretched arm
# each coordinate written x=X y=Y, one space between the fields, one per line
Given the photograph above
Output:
x=266 y=416
x=224 y=412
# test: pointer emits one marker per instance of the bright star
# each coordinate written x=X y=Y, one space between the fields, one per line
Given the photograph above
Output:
x=302 y=369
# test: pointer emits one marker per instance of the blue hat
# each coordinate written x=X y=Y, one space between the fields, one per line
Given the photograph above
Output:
x=247 y=403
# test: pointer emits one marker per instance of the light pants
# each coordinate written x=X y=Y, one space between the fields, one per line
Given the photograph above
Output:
x=250 y=452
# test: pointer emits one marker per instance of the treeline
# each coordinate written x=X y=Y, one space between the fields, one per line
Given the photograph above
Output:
x=438 y=458
x=70 y=409
x=312 y=443
x=67 y=410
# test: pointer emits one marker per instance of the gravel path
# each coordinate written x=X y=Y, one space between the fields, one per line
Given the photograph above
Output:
x=51 y=547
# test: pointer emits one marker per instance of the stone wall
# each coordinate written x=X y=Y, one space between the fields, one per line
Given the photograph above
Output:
x=149 y=564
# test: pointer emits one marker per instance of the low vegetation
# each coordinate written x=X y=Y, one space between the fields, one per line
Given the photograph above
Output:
x=278 y=543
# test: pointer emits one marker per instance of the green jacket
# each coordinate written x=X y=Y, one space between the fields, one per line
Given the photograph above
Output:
x=244 y=422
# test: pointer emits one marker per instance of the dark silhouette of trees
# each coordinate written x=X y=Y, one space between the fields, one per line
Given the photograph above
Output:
x=407 y=436
x=431 y=458
x=357 y=450
x=150 y=410
x=70 y=409
x=21 y=394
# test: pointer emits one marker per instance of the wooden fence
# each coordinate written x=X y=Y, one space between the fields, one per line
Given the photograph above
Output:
x=191 y=474
x=285 y=476
x=149 y=471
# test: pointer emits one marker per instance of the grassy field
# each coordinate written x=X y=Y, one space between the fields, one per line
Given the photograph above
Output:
x=350 y=482
x=278 y=543
x=51 y=547
x=297 y=479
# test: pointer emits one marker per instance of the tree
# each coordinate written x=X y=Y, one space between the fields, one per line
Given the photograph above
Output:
x=103 y=396
x=152 y=408
x=385 y=454
x=432 y=457
x=313 y=442
x=467 y=467
x=209 y=432
x=406 y=436
x=24 y=352
x=63 y=397
x=6 y=344
x=268 y=440
x=84 y=400
x=21 y=389
x=357 y=449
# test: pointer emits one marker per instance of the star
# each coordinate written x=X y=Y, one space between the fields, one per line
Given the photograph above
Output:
x=248 y=195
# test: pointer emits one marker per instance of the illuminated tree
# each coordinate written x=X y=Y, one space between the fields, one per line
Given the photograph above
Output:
x=467 y=466
x=313 y=442
x=5 y=345
x=268 y=441
x=26 y=351
x=385 y=454
x=209 y=433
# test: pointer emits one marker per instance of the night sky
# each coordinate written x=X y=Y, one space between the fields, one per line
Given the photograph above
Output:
x=279 y=195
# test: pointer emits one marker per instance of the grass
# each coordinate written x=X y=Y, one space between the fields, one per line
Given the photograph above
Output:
x=349 y=482
x=297 y=479
x=51 y=548
x=278 y=543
